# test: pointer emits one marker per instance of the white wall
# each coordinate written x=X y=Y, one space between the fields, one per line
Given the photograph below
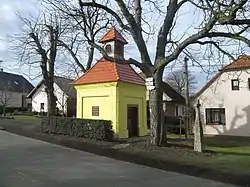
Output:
x=165 y=96
x=40 y=96
x=235 y=102
x=13 y=99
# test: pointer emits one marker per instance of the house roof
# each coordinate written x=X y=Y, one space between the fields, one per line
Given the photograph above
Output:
x=15 y=83
x=172 y=93
x=242 y=62
x=167 y=89
x=106 y=71
x=63 y=83
x=113 y=34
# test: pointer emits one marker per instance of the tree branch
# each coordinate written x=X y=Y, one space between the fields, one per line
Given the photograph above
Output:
x=138 y=10
x=110 y=11
x=229 y=35
x=165 y=28
x=191 y=39
x=61 y=43
x=217 y=46
x=136 y=32
x=230 y=19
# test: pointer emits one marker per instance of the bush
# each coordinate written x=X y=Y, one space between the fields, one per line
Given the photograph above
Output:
x=86 y=128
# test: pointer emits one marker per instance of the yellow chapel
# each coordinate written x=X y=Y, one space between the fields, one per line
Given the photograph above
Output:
x=113 y=91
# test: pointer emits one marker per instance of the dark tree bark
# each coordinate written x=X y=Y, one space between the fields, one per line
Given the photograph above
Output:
x=157 y=137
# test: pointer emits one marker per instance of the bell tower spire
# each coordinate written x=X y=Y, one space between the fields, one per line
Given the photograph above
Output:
x=113 y=43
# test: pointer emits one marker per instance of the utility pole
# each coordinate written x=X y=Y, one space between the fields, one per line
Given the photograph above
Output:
x=186 y=76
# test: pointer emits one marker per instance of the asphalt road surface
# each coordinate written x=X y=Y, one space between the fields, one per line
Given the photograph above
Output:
x=25 y=162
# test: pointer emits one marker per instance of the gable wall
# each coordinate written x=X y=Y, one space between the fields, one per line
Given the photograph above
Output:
x=40 y=96
x=236 y=104
x=13 y=99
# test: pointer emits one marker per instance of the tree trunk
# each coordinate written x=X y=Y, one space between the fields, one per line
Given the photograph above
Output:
x=155 y=116
x=51 y=99
x=156 y=110
x=163 y=135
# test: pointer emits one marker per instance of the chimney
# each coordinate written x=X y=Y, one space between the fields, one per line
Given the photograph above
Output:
x=1 y=69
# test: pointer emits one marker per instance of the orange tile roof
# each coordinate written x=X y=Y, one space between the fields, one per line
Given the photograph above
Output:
x=106 y=71
x=113 y=34
x=243 y=61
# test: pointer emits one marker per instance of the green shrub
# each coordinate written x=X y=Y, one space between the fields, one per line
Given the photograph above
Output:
x=86 y=128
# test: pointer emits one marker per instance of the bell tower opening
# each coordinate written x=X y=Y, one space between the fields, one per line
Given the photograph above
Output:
x=113 y=43
x=119 y=49
x=108 y=48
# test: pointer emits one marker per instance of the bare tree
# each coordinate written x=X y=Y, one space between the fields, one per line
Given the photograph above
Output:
x=86 y=24
x=37 y=44
x=219 y=23
x=176 y=79
x=5 y=96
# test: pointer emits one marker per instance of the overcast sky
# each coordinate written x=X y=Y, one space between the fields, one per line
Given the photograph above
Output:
x=10 y=24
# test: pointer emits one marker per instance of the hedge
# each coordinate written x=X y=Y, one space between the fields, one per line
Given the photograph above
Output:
x=86 y=128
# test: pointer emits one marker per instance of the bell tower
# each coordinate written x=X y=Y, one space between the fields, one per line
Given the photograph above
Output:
x=113 y=43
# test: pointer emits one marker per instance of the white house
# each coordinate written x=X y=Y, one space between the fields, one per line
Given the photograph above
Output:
x=13 y=90
x=64 y=92
x=225 y=100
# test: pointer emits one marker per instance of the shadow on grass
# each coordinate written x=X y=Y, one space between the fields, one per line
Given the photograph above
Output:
x=233 y=153
x=227 y=141
x=213 y=143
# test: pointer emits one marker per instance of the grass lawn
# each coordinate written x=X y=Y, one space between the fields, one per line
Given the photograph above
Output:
x=21 y=122
x=25 y=118
x=231 y=153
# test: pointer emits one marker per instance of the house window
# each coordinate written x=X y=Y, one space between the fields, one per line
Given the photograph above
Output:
x=248 y=83
x=235 y=84
x=95 y=110
x=41 y=107
x=215 y=116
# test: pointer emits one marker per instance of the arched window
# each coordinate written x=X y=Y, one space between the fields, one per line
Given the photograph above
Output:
x=108 y=48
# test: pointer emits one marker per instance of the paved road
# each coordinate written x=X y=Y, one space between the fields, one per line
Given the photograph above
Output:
x=25 y=162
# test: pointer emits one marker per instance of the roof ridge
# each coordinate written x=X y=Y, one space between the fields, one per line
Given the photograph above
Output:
x=116 y=70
